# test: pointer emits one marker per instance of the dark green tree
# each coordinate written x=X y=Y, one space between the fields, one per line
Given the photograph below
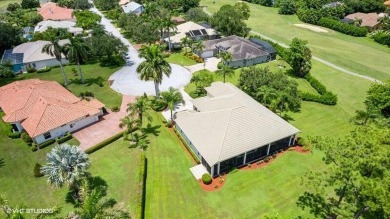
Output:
x=188 y=4
x=299 y=57
x=201 y=80
x=10 y=36
x=243 y=9
x=13 y=7
x=77 y=51
x=172 y=97
x=287 y=7
x=105 y=5
x=87 y=19
x=226 y=70
x=197 y=15
x=356 y=182
x=229 y=21
x=140 y=108
x=26 y=4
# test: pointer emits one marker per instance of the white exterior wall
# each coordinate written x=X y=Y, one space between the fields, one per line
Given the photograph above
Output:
x=139 y=10
x=196 y=152
x=207 y=54
x=60 y=131
x=249 y=62
x=44 y=63
x=18 y=125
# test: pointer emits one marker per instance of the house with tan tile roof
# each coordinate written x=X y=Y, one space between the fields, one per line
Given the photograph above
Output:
x=370 y=20
x=45 y=109
x=51 y=11
x=229 y=129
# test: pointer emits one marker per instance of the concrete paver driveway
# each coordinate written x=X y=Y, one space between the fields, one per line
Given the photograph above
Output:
x=106 y=127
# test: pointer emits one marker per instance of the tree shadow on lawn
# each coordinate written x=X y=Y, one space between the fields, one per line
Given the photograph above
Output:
x=88 y=81
x=149 y=129
x=92 y=183
x=315 y=203
x=2 y=163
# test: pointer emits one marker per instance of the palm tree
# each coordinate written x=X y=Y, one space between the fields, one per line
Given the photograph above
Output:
x=55 y=49
x=7 y=209
x=186 y=42
x=78 y=51
x=225 y=56
x=169 y=25
x=226 y=70
x=65 y=164
x=130 y=124
x=140 y=108
x=266 y=95
x=93 y=206
x=198 y=47
x=171 y=97
x=154 y=66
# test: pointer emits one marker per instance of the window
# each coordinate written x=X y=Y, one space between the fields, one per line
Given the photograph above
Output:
x=34 y=65
x=47 y=135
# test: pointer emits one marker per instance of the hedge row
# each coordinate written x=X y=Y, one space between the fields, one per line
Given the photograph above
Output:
x=325 y=97
x=382 y=38
x=46 y=143
x=64 y=138
x=343 y=27
x=187 y=146
x=104 y=143
x=141 y=188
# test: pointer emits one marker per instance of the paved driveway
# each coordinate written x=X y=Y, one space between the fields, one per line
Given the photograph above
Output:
x=106 y=127
x=211 y=65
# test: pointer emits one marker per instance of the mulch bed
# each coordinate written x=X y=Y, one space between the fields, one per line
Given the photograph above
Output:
x=215 y=185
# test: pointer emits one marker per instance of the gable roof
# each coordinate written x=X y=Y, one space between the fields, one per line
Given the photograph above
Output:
x=69 y=25
x=130 y=7
x=41 y=106
x=230 y=123
x=368 y=20
x=50 y=11
x=30 y=52
x=240 y=48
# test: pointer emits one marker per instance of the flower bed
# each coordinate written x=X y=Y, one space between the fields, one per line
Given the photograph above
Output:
x=215 y=185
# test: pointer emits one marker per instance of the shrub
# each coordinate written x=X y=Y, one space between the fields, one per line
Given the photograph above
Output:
x=381 y=37
x=31 y=70
x=341 y=27
x=37 y=170
x=267 y=159
x=34 y=148
x=115 y=109
x=286 y=7
x=105 y=143
x=140 y=194
x=206 y=178
x=249 y=165
x=216 y=187
x=14 y=135
x=159 y=105
x=274 y=155
x=325 y=97
x=43 y=70
x=46 y=143
x=26 y=138
x=64 y=138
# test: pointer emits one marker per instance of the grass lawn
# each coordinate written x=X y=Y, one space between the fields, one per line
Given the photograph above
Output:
x=361 y=55
x=4 y=4
x=318 y=119
x=95 y=81
x=172 y=191
x=180 y=59
x=119 y=170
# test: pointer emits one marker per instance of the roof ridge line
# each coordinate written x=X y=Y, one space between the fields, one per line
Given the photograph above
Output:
x=40 y=117
x=224 y=136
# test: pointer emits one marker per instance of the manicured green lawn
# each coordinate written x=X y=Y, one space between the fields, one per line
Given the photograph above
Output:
x=172 y=191
x=361 y=55
x=318 y=119
x=119 y=170
x=95 y=81
x=180 y=59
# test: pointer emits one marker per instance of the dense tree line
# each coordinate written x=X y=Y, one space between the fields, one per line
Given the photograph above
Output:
x=22 y=17
x=197 y=15
x=105 y=5
x=343 y=27
x=75 y=4
x=87 y=19
x=10 y=36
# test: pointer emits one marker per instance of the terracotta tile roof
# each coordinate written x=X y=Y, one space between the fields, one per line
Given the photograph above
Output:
x=387 y=3
x=50 y=11
x=43 y=105
x=368 y=20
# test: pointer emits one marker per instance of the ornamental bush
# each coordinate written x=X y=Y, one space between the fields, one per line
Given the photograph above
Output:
x=26 y=138
x=37 y=170
x=206 y=178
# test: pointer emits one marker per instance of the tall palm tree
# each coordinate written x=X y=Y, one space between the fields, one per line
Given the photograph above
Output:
x=65 y=165
x=171 y=97
x=78 y=51
x=140 y=108
x=154 y=66
x=225 y=56
x=93 y=206
x=130 y=124
x=198 y=47
x=226 y=70
x=266 y=95
x=169 y=25
x=55 y=49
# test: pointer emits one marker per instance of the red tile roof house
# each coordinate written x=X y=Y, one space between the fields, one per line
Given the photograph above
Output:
x=370 y=20
x=50 y=11
x=45 y=109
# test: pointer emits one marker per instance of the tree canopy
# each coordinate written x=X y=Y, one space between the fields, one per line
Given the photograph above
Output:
x=299 y=57
x=87 y=19
x=10 y=36
x=229 y=20
x=30 y=4
x=356 y=180
x=105 y=5
x=196 y=15
x=273 y=90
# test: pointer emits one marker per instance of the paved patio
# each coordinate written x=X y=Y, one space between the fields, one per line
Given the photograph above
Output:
x=198 y=171
x=211 y=65
x=106 y=127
